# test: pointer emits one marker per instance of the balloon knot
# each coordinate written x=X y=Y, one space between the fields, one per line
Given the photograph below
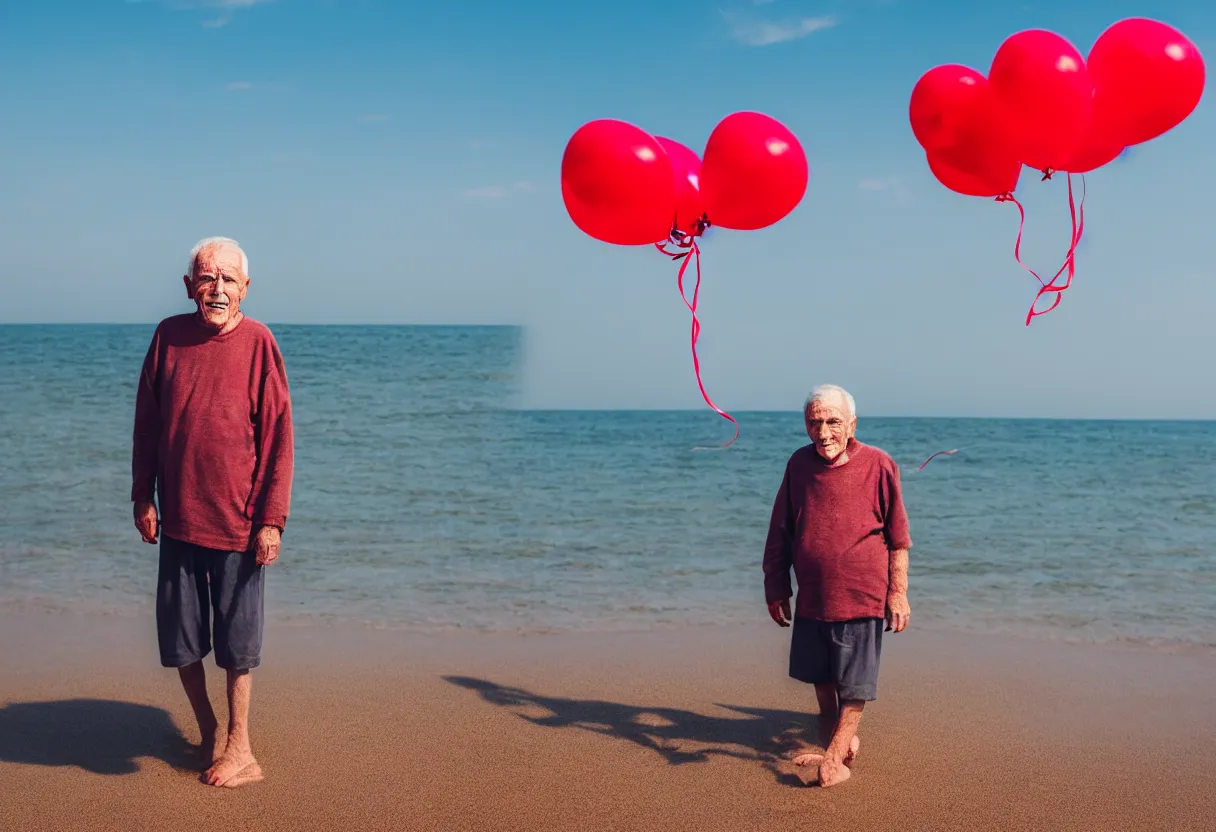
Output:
x=683 y=239
x=699 y=227
x=1047 y=172
x=1005 y=197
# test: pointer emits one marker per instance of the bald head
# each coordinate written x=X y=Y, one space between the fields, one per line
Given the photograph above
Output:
x=217 y=281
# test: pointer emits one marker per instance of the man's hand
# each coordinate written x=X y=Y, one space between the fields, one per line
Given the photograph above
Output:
x=780 y=611
x=898 y=611
x=267 y=544
x=145 y=521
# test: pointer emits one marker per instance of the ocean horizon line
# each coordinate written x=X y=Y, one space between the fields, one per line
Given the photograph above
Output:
x=738 y=413
x=521 y=400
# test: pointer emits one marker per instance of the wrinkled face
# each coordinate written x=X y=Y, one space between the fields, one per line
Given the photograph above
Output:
x=218 y=285
x=830 y=427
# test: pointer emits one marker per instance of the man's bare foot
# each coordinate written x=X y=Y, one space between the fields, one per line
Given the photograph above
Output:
x=807 y=758
x=833 y=773
x=209 y=750
x=249 y=774
x=854 y=745
x=233 y=768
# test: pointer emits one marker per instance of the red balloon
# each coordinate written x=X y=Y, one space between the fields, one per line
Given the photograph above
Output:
x=754 y=172
x=617 y=183
x=1042 y=85
x=1148 y=76
x=686 y=169
x=1000 y=179
x=1099 y=147
x=954 y=117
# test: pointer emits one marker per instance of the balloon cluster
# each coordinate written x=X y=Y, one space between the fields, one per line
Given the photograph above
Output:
x=1045 y=106
x=623 y=186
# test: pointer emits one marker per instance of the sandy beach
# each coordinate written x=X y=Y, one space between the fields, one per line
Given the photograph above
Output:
x=359 y=728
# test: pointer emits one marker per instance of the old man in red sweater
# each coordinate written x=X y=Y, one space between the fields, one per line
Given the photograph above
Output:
x=839 y=522
x=213 y=450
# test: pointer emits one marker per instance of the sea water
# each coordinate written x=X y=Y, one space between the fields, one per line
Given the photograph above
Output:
x=424 y=500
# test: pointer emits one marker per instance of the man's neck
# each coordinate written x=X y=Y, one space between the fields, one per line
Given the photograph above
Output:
x=232 y=324
x=226 y=328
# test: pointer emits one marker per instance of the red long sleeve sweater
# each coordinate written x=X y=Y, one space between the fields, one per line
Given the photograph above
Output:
x=836 y=528
x=213 y=433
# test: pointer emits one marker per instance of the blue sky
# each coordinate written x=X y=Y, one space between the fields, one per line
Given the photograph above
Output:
x=397 y=162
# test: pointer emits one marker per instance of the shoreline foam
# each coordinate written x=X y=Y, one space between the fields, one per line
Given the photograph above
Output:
x=926 y=622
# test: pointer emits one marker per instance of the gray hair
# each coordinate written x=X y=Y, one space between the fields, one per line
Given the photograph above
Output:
x=209 y=242
x=828 y=391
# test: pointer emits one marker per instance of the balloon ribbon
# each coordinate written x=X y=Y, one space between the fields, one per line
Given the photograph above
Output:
x=687 y=243
x=939 y=453
x=1070 y=259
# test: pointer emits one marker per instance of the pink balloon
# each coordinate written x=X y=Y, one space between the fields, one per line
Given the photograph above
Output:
x=955 y=118
x=617 y=184
x=1041 y=83
x=1000 y=178
x=755 y=172
x=1147 y=76
x=1098 y=148
x=686 y=167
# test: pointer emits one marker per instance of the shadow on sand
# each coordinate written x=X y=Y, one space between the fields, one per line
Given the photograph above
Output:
x=98 y=735
x=681 y=737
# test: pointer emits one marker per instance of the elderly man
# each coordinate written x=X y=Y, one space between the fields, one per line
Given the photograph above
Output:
x=839 y=521
x=213 y=442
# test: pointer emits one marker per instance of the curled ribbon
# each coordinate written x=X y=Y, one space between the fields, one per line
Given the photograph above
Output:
x=951 y=452
x=1070 y=262
x=687 y=245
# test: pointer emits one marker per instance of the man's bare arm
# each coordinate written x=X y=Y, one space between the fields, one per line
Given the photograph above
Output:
x=898 y=609
x=899 y=572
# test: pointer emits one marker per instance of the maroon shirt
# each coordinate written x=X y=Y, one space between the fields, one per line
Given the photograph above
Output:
x=213 y=434
x=836 y=527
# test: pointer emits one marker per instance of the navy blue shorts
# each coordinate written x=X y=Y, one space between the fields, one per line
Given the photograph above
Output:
x=193 y=583
x=841 y=653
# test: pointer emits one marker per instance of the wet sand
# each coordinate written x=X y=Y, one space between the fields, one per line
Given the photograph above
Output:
x=359 y=728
